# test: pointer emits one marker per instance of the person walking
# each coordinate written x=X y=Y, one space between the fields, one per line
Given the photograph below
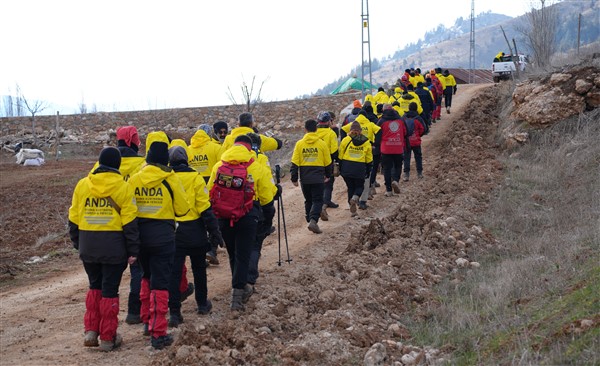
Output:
x=393 y=141
x=238 y=188
x=450 y=89
x=246 y=125
x=203 y=152
x=312 y=165
x=331 y=140
x=356 y=158
x=191 y=237
x=104 y=228
x=160 y=198
x=436 y=81
x=415 y=127
x=426 y=100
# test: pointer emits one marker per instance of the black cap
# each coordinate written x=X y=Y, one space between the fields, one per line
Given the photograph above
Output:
x=158 y=153
x=110 y=157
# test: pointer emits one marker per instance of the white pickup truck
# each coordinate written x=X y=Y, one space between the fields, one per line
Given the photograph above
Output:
x=502 y=70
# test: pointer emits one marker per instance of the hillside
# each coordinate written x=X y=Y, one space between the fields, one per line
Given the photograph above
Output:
x=491 y=258
x=449 y=47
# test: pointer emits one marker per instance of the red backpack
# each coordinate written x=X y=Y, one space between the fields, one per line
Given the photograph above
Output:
x=232 y=195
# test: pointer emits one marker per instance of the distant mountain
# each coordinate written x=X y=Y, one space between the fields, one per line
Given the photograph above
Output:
x=449 y=47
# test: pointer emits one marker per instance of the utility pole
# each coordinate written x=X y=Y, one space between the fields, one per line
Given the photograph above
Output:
x=366 y=48
x=578 y=33
x=472 y=44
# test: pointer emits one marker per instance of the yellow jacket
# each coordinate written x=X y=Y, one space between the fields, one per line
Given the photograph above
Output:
x=369 y=129
x=448 y=81
x=311 y=160
x=264 y=190
x=380 y=98
x=329 y=137
x=154 y=199
x=203 y=153
x=406 y=100
x=197 y=194
x=156 y=136
x=266 y=143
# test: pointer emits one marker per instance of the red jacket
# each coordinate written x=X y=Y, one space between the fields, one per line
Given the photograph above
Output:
x=393 y=133
x=419 y=130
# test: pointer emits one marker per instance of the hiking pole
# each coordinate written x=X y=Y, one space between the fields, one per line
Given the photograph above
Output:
x=280 y=207
x=277 y=179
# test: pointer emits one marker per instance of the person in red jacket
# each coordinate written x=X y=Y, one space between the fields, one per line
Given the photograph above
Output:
x=393 y=141
x=415 y=127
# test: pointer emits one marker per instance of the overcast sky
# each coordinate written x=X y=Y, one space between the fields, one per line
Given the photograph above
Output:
x=126 y=54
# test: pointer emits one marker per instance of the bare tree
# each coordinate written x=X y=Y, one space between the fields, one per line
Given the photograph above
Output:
x=82 y=107
x=540 y=32
x=250 y=100
x=34 y=107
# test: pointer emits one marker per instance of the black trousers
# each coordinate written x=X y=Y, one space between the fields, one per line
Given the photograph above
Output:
x=328 y=190
x=264 y=228
x=105 y=277
x=135 y=283
x=355 y=186
x=448 y=96
x=240 y=240
x=376 y=161
x=392 y=166
x=157 y=264
x=418 y=158
x=198 y=260
x=313 y=200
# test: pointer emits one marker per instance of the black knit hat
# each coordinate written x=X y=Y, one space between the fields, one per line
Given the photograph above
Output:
x=178 y=156
x=110 y=157
x=220 y=125
x=158 y=153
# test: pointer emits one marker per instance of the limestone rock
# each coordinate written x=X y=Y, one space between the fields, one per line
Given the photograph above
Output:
x=582 y=86
x=376 y=355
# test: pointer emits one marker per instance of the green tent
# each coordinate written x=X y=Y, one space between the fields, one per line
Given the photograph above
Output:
x=353 y=83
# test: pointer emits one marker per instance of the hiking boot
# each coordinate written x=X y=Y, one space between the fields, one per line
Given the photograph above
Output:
x=372 y=191
x=448 y=110
x=162 y=341
x=108 y=346
x=353 y=202
x=388 y=193
x=362 y=205
x=248 y=291
x=206 y=308
x=406 y=175
x=324 y=215
x=314 y=227
x=175 y=319
x=420 y=175
x=90 y=339
x=146 y=331
x=211 y=257
x=188 y=292
x=332 y=205
x=396 y=187
x=133 y=319
x=236 y=299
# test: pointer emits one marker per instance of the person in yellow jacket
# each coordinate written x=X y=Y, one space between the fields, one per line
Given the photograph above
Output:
x=246 y=121
x=331 y=140
x=160 y=198
x=356 y=157
x=220 y=128
x=312 y=165
x=449 y=90
x=104 y=228
x=381 y=97
x=128 y=143
x=239 y=234
x=191 y=236
x=407 y=98
x=265 y=224
x=369 y=129
x=396 y=96
x=203 y=153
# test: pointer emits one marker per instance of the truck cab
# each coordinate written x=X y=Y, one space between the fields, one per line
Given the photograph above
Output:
x=503 y=69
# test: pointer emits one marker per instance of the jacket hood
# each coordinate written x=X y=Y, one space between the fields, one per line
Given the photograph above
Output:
x=103 y=184
x=311 y=137
x=156 y=136
x=390 y=115
x=356 y=111
x=153 y=175
x=362 y=119
x=359 y=139
x=407 y=96
x=411 y=114
x=199 y=139
x=237 y=153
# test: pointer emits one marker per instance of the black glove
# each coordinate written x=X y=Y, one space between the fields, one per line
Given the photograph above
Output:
x=279 y=191
x=212 y=226
x=454 y=89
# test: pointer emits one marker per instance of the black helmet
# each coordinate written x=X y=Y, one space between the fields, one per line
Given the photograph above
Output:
x=324 y=117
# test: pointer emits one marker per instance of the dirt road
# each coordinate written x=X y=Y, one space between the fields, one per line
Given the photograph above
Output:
x=42 y=323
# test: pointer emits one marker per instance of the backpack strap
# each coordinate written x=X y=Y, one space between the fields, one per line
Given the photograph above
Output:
x=114 y=204
x=168 y=186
